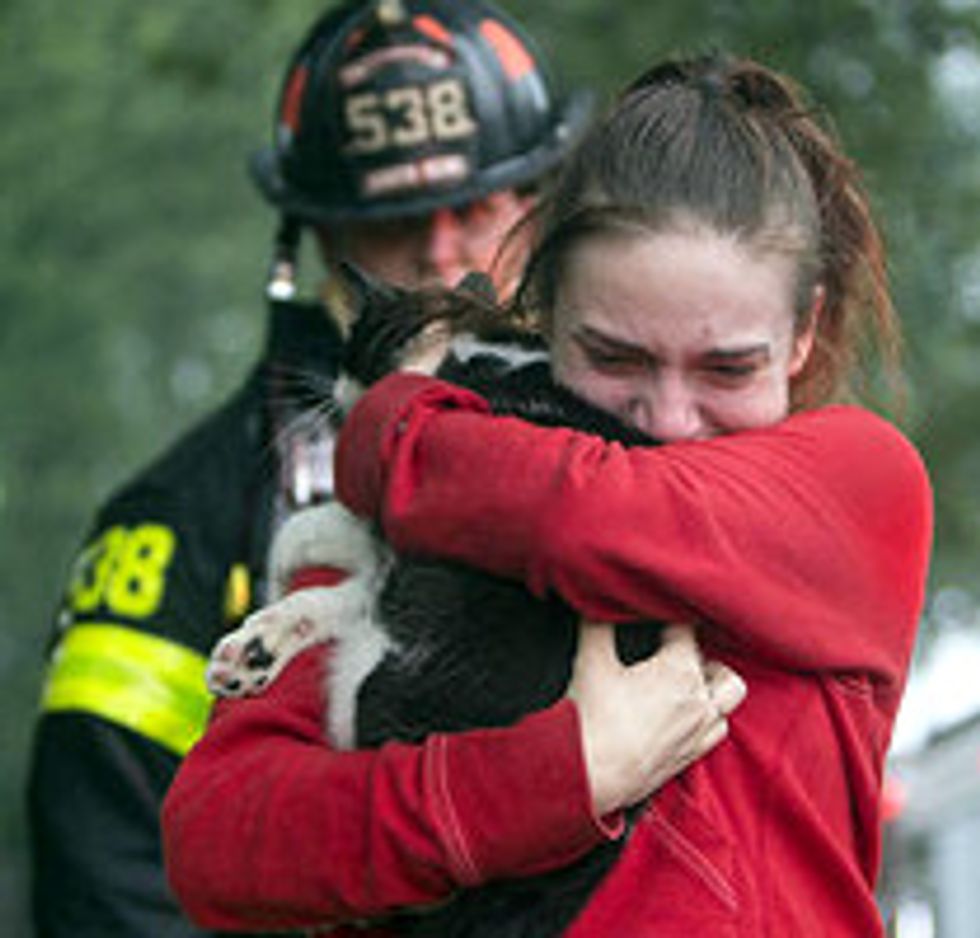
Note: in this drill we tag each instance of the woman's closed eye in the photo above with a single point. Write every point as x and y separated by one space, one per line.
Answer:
735 369
732 373
612 358
607 360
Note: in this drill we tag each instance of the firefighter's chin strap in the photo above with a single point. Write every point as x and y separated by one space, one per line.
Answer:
302 441
303 436
281 285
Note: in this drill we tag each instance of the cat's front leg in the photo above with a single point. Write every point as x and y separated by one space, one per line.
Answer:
325 535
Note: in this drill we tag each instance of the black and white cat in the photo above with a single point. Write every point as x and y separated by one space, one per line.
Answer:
424 646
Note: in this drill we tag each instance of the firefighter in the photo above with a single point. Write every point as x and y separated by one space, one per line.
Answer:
408 139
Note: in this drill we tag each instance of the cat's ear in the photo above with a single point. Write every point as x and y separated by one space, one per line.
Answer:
365 288
478 284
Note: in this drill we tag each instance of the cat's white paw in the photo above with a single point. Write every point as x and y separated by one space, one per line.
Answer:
247 660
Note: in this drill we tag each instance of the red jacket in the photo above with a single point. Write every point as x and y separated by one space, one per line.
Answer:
802 547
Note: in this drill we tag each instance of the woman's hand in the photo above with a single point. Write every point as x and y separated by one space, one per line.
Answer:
643 724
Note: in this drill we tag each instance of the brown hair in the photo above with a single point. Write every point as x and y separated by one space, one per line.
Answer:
730 145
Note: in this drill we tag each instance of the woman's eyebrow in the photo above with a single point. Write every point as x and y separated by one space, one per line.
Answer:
760 350
595 336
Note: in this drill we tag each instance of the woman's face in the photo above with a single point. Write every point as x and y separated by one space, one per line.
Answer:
685 335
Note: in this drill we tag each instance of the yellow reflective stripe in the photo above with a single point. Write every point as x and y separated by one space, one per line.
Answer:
145 683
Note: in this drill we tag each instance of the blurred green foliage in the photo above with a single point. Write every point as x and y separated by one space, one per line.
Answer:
134 247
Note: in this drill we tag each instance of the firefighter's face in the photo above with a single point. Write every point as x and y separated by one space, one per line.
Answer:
439 248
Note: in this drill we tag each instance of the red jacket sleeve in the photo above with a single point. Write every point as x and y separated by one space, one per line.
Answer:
806 542
266 827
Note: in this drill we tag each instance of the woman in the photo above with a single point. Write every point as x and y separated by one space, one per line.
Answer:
707 268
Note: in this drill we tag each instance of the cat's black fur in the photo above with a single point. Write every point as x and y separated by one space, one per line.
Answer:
472 649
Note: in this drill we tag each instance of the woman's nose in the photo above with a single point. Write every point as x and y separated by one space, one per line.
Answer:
666 410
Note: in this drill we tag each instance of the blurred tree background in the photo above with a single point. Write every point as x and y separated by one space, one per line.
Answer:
135 248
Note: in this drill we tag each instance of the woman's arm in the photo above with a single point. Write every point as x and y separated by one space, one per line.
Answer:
807 541
266 827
